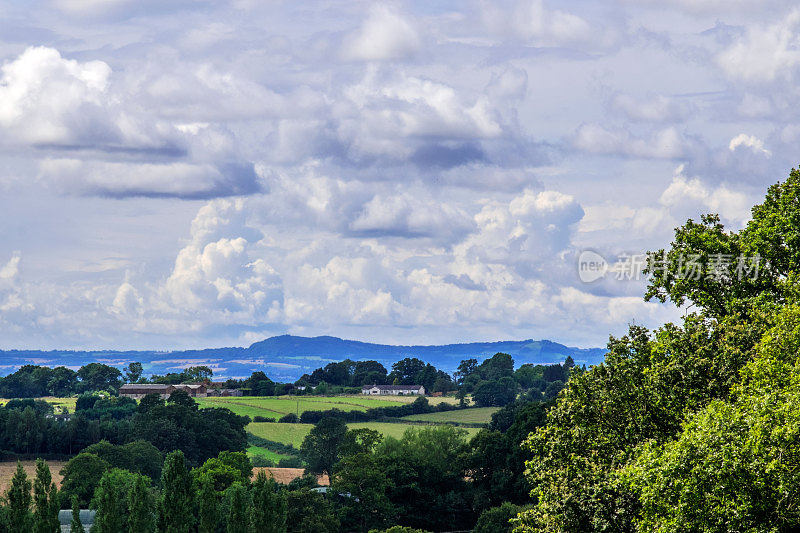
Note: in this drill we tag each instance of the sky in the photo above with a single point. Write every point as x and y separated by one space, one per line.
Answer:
199 174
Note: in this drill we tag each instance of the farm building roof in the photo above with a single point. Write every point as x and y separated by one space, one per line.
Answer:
143 386
393 387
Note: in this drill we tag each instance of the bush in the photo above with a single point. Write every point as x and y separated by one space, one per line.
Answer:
496 519
85 401
259 418
399 529
261 461
290 462
291 418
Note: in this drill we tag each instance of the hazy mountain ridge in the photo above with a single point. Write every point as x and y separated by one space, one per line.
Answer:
287 357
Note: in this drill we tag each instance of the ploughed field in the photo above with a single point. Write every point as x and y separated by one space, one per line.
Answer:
8 468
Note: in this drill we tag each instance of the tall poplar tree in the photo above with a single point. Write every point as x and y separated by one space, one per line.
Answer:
19 501
238 509
207 505
140 507
269 506
45 501
76 526
175 513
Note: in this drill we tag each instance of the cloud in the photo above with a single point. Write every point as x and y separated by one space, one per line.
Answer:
666 143
113 147
765 52
163 180
408 216
45 99
399 108
377 171
657 108
216 271
385 34
10 270
535 23
691 196
748 141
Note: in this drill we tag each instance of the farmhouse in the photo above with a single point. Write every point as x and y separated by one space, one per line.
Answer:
137 391
224 392
394 390
218 388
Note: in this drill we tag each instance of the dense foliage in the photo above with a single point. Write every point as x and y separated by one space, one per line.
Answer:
693 426
33 381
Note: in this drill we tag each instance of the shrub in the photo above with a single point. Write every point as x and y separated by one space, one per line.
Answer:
290 418
290 462
261 461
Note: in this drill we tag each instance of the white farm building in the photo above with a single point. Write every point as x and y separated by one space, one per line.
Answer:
395 390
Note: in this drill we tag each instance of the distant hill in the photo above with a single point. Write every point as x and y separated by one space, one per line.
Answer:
287 357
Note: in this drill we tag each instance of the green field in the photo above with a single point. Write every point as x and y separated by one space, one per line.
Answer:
475 415
69 403
295 433
264 452
276 406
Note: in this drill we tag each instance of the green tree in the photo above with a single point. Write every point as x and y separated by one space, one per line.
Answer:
208 506
495 393
310 512
320 448
498 519
141 518
111 501
367 506
269 506
225 470
81 475
734 467
45 500
76 526
133 372
19 501
238 504
98 377
175 513
63 381
426 468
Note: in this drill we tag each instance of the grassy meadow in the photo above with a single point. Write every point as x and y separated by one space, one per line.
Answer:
277 406
69 403
295 433
474 415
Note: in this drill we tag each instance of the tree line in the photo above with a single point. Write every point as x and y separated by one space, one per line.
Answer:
28 427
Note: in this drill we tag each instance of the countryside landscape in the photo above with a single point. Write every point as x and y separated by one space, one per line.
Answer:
399 266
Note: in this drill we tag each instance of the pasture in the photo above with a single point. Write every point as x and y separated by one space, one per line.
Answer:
264 452
295 433
69 403
474 415
277 406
